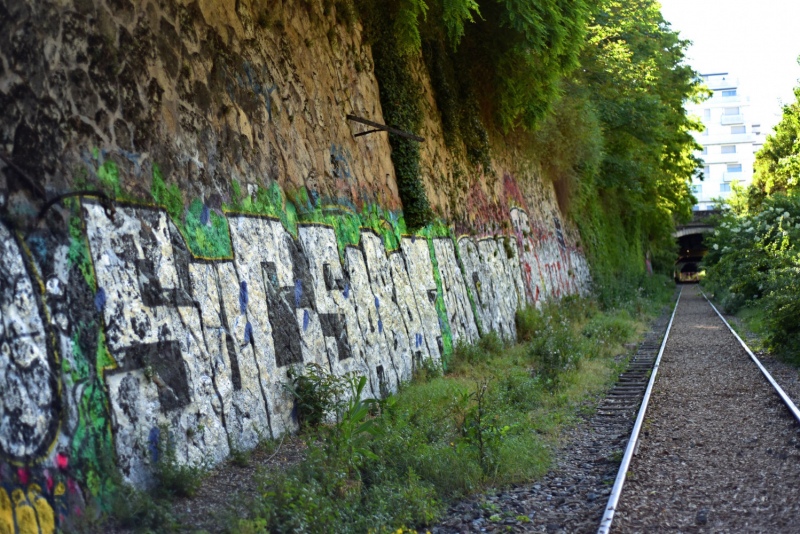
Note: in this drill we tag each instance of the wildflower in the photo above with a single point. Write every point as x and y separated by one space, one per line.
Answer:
716 247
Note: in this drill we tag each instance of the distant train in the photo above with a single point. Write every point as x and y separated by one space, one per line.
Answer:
687 269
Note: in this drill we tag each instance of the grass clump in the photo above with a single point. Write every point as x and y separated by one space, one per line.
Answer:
173 478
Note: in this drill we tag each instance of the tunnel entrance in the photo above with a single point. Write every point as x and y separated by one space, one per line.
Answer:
691 249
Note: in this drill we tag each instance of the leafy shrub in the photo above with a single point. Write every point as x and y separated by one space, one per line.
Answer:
754 261
139 511
173 478
316 392
347 439
528 321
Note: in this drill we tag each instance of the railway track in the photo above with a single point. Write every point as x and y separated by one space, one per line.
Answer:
632 395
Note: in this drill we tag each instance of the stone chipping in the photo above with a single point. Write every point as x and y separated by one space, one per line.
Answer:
719 450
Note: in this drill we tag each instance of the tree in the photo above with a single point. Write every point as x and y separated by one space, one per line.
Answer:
777 166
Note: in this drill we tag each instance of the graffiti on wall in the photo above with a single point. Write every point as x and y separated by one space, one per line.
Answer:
161 336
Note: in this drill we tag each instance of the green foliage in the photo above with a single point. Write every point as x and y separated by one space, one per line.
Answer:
617 145
347 439
480 429
169 197
238 457
210 240
777 166
458 104
173 478
317 394
396 463
138 511
754 261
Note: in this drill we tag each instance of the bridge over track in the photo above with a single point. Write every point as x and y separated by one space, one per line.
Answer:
692 249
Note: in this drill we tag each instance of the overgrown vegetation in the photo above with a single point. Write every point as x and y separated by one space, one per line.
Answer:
489 421
754 262
612 135
618 145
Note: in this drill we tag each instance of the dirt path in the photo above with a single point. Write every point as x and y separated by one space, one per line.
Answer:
719 451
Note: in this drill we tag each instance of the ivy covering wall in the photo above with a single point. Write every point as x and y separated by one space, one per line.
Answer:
612 136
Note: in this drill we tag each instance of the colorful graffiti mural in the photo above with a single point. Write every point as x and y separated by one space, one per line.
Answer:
127 327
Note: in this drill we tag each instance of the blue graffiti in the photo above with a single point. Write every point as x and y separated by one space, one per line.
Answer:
204 215
340 158
243 298
100 299
298 292
248 332
305 320
152 442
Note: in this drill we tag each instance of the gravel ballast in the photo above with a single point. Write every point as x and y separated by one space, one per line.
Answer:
719 451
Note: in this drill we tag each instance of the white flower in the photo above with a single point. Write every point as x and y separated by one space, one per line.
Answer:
785 213
735 230
716 247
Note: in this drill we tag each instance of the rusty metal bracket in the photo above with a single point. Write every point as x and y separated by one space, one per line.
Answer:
383 128
108 205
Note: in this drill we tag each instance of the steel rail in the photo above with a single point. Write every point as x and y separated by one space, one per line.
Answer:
778 389
616 491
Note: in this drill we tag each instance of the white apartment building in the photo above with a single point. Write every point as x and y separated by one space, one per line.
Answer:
730 140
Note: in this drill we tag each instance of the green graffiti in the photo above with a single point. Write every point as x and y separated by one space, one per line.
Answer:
205 238
209 240
78 253
169 197
444 322
108 173
91 446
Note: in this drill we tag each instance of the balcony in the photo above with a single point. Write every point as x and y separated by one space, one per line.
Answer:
725 100
733 119
732 176
710 159
725 139
730 83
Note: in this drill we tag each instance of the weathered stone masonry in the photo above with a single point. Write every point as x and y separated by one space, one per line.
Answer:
249 232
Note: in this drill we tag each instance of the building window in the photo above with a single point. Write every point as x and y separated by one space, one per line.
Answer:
731 111
707 171
707 114
705 132
704 150
697 189
729 92
738 129
729 149
734 167
724 188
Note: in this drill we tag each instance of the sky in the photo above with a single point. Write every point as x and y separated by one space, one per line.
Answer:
757 41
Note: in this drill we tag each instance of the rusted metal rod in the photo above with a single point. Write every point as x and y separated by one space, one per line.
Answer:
383 128
105 201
